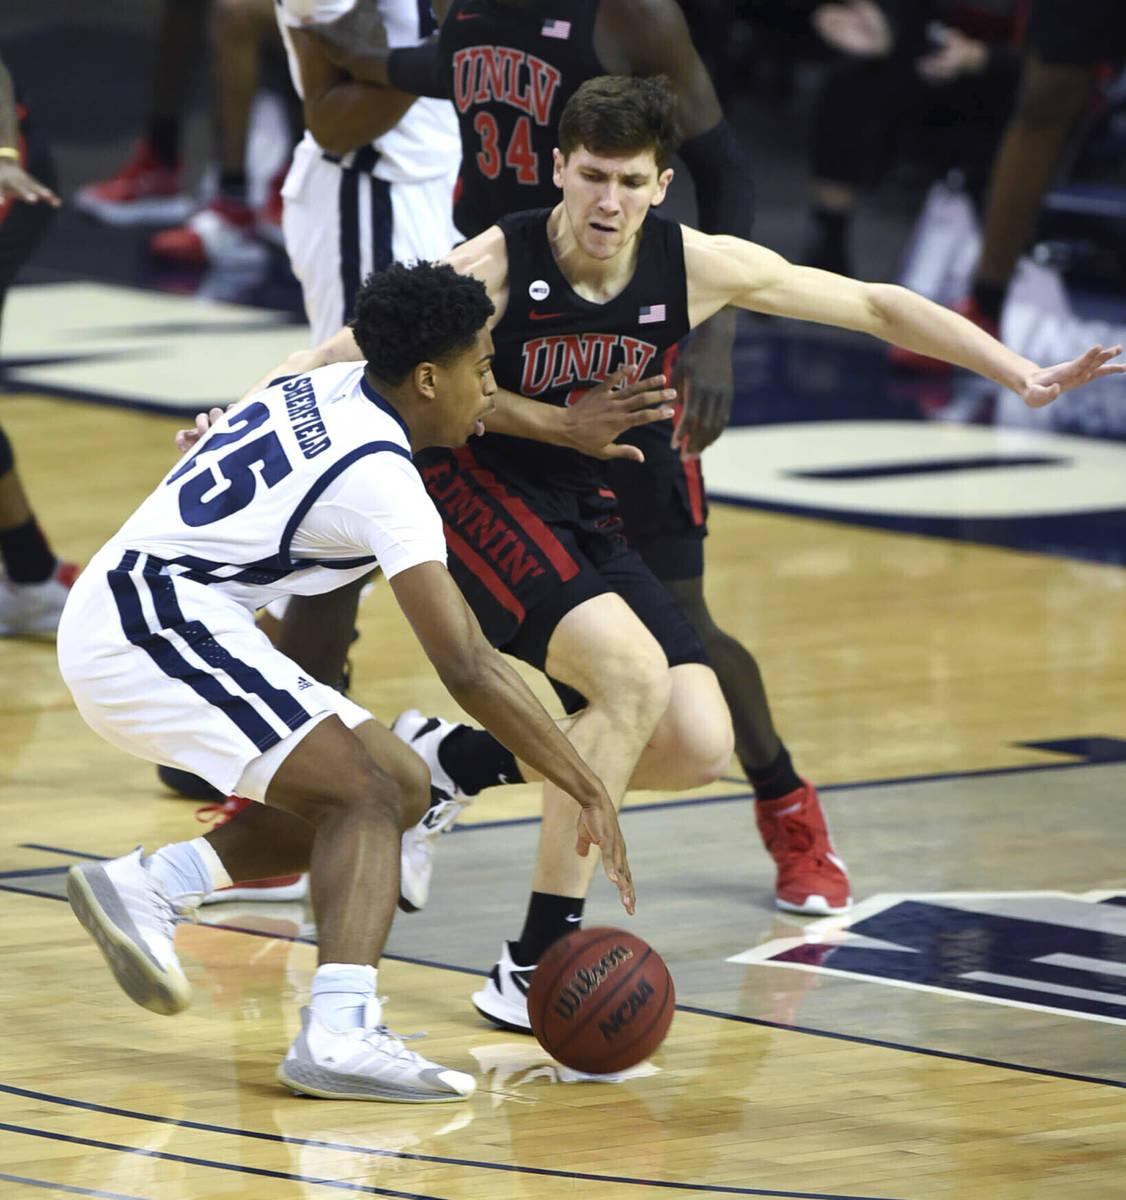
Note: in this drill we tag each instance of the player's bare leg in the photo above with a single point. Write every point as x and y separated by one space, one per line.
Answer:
602 650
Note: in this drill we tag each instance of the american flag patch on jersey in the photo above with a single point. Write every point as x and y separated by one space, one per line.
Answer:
556 29
650 314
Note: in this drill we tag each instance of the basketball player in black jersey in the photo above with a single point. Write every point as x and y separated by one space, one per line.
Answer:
33 583
510 66
509 528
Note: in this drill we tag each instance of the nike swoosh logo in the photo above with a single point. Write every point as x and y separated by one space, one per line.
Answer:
542 316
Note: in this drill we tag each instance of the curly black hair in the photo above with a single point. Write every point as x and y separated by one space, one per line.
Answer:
422 313
621 114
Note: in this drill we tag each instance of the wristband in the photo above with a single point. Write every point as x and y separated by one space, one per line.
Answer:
9 152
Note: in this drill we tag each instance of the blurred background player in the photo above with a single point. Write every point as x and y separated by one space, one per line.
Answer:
33 582
930 83
1066 46
228 227
372 179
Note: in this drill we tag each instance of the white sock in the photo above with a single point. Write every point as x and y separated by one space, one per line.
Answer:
188 870
344 996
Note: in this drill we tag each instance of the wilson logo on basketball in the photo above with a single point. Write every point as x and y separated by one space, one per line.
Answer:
612 1025
587 980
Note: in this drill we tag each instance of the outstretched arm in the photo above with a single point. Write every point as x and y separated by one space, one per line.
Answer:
724 270
480 680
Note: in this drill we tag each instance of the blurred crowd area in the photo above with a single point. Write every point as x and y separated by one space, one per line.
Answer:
851 114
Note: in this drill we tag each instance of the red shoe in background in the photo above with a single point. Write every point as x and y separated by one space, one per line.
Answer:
220 233
145 191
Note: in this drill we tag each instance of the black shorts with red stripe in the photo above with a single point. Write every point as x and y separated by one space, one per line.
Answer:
663 504
524 559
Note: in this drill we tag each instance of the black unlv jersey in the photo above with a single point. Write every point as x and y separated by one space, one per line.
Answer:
552 345
514 68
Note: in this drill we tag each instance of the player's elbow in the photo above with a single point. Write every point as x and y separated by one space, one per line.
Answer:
327 135
884 307
468 670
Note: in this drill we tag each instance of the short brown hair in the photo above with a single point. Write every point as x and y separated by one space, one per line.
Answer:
618 114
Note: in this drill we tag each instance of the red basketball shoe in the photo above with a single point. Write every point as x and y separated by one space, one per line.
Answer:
912 360
811 878
145 191
220 233
282 887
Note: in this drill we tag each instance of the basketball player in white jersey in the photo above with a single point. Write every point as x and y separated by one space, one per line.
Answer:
372 179
307 485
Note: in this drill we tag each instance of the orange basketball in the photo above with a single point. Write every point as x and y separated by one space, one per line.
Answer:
601 1000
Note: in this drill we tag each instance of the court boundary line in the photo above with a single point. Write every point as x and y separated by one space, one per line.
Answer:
190 1160
370 1151
69 1187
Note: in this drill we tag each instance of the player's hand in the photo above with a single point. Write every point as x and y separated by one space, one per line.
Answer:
1043 386
705 384
187 438
958 55
16 183
857 27
598 826
604 412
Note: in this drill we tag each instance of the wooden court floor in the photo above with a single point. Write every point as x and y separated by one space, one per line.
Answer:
917 681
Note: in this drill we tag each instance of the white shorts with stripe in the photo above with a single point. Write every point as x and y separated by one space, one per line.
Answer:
340 224
176 673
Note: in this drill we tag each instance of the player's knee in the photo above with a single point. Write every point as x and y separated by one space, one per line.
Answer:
713 744
412 776
634 685
696 739
361 788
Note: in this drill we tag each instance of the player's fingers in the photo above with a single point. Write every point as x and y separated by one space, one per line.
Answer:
646 416
585 837
623 450
619 875
626 390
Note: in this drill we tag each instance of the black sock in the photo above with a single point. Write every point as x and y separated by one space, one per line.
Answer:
990 298
26 555
549 918
164 138
232 185
776 779
474 759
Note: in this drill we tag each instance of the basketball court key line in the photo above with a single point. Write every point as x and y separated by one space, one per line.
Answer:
695 1009
883 1045
69 1188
